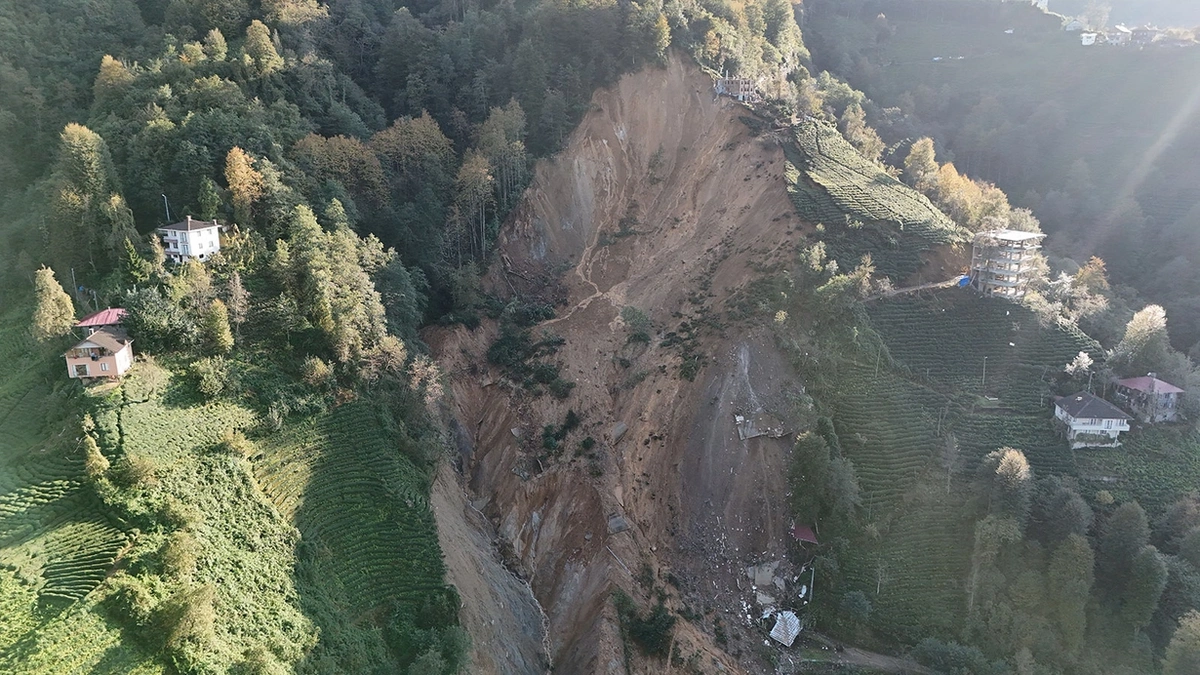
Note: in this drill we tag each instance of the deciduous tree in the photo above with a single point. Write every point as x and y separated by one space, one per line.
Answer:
245 184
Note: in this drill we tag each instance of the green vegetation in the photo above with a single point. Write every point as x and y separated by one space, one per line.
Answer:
863 208
995 104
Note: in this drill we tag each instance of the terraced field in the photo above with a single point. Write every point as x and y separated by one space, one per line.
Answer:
917 565
942 341
360 507
894 414
56 543
864 209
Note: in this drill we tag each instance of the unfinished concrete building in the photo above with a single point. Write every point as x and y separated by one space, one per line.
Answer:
741 88
1002 262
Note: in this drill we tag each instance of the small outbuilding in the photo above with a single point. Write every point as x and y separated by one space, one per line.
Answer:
109 316
1149 398
1089 421
106 352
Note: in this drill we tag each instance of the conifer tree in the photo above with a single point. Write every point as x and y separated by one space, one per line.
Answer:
260 49
55 315
214 328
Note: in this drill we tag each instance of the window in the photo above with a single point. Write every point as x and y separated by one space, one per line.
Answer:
81 370
1108 424
104 366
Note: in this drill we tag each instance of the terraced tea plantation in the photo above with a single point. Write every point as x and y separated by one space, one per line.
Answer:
312 545
894 412
56 542
864 209
369 538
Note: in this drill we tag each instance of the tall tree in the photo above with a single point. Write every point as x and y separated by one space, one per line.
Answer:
245 184
237 300
1008 482
1125 533
1070 584
1147 579
473 196
89 214
260 49
214 328
54 315
1145 346
1183 653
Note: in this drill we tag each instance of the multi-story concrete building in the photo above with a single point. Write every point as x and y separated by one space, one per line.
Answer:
1002 262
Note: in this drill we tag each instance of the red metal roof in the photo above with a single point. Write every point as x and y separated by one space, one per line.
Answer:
105 317
1148 384
804 533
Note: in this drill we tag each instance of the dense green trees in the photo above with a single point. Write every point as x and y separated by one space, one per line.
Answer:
54 314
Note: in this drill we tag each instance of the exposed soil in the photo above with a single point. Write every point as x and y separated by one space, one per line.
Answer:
662 200
499 611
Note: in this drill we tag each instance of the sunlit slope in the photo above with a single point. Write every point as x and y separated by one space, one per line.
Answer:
863 208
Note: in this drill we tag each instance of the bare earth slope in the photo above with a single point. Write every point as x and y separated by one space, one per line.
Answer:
661 201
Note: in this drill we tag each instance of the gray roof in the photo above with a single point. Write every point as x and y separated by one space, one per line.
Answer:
189 224
1086 406
110 337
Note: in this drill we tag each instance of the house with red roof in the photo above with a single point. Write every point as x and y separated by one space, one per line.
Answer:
109 316
1149 398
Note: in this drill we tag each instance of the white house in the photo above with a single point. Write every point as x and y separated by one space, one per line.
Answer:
1090 421
1087 39
198 239
1120 35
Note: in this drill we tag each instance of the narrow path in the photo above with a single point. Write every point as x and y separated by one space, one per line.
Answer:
949 283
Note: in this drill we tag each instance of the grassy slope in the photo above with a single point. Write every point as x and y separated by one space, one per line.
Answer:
863 209
338 478
55 539
894 417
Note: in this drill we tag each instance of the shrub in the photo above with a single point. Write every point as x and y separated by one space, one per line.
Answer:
954 659
211 375
235 442
260 661
131 600
136 471
316 373
638 323
95 462
174 513
185 624
179 554
652 632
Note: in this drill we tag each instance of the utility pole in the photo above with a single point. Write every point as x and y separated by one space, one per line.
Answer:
983 381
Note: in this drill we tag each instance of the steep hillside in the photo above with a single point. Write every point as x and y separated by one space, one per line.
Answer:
639 233
662 201
1098 142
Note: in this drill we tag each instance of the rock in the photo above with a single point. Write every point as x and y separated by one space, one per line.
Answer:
617 524
618 431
